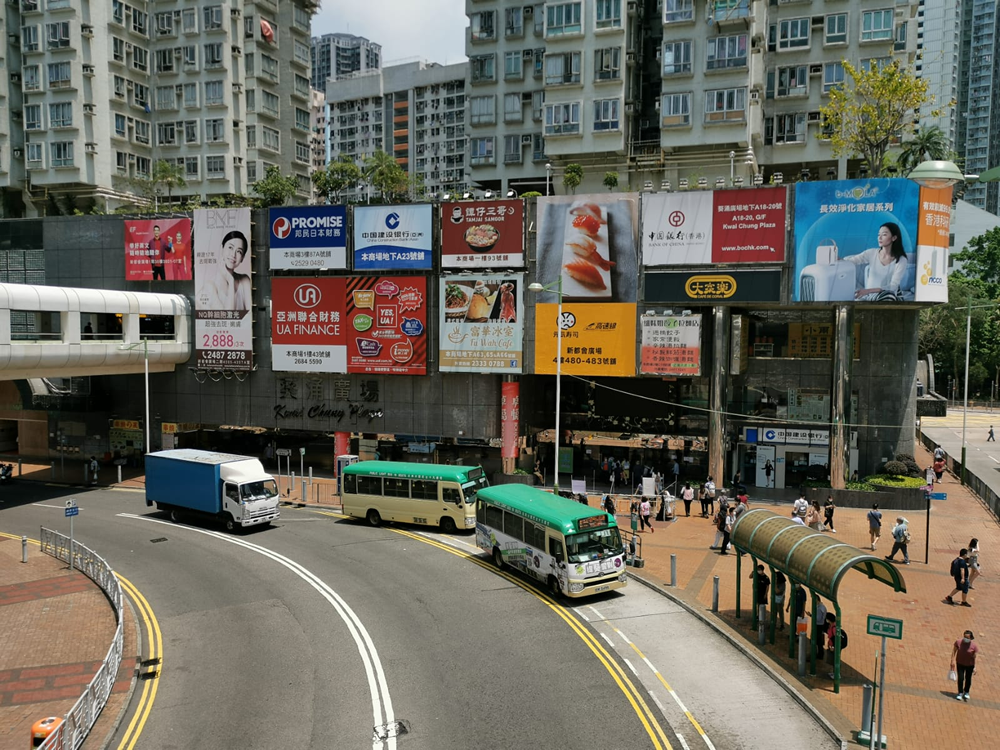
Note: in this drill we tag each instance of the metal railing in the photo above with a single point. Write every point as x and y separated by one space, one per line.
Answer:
80 719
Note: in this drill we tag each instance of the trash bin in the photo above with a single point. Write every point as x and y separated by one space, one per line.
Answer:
635 521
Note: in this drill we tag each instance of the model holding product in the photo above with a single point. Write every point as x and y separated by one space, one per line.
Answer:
885 266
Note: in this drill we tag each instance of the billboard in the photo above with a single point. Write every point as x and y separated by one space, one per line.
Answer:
933 241
482 324
597 339
510 418
482 234
587 243
386 322
855 240
390 238
713 286
671 345
677 228
307 333
308 238
158 250
223 292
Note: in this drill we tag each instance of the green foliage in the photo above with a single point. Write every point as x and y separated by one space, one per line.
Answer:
611 180
338 176
275 189
894 468
531 194
926 143
384 175
572 177
883 481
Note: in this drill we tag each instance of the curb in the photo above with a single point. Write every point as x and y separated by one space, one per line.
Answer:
749 652
117 721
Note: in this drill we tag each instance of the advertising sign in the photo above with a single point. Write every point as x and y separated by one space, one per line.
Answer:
597 339
510 418
386 319
308 238
482 234
932 245
677 228
748 225
855 240
671 345
724 286
392 237
224 295
307 334
587 244
482 324
158 250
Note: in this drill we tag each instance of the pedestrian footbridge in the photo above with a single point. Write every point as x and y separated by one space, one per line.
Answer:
61 332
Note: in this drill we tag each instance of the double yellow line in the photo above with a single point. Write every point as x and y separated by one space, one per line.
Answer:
151 678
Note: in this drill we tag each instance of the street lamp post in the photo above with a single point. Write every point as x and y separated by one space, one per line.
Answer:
145 358
537 289
548 178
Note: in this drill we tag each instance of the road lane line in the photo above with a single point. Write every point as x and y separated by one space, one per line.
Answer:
577 610
610 642
152 684
594 610
629 665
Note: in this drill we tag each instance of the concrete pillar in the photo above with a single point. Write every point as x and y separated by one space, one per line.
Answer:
718 375
840 433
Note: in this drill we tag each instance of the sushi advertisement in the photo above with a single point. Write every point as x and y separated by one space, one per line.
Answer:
482 323
482 234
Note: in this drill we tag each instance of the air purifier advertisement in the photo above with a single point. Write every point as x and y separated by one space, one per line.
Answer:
856 240
933 240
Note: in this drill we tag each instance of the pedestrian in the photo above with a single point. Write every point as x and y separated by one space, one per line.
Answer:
94 468
727 529
938 468
688 496
801 506
761 584
960 572
939 453
676 471
710 495
819 629
743 498
626 471
874 524
830 624
900 540
609 504
539 478
813 516
854 476
720 527
797 519
990 437
828 509
963 659
644 511
737 481
768 470
974 570
798 598
780 583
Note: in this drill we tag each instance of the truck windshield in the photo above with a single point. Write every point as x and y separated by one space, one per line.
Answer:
593 545
265 489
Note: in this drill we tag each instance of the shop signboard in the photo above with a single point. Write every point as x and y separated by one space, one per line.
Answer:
482 323
386 323
671 345
856 240
223 292
482 234
307 332
677 228
717 286
510 417
933 241
308 238
392 238
158 250
596 339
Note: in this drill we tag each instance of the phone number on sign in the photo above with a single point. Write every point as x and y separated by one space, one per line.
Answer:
226 356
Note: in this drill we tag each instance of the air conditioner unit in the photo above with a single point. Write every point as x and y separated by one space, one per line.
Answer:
816 70
178 51
237 160
632 7
526 140
237 50
755 96
814 117
835 280
88 69
89 109
527 54
656 105
818 21
15 77
91 148
237 87
629 109
630 58
129 85
128 46
529 10
234 12
526 97
86 30
131 158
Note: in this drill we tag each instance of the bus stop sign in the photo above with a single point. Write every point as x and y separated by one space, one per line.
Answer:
885 627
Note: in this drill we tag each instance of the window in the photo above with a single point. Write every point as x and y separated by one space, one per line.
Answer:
190 94
61 115
121 162
835 30
166 134
482 110
564 18
215 131
608 64
164 61
833 75
481 26
876 25
213 18
513 69
269 67
875 63
213 55
29 76
537 105
118 12
214 93
215 167
482 68
140 22
301 85
190 131
423 489
512 111
119 87
606 115
727 52
57 35
59 75
166 97
251 100
676 11
793 33
34 153
675 110
191 164
33 117
481 151
303 119
270 139
790 128
562 68
269 103
142 165
189 20
793 81
562 119
140 58
141 131
249 27
302 153
514 22
609 14
29 38
165 24
189 53
140 95
676 58
62 154
513 526
301 18
512 149
118 49
302 53
725 105
251 136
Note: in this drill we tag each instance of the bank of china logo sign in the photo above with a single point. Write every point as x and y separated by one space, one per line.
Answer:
307 296
281 228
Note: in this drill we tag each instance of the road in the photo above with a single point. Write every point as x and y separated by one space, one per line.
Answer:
322 631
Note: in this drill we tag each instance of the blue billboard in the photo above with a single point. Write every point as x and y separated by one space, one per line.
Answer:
856 240
392 238
308 238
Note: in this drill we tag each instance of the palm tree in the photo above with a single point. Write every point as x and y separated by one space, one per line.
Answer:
926 143
382 172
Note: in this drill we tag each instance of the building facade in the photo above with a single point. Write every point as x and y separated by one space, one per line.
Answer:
317 139
938 62
979 86
338 55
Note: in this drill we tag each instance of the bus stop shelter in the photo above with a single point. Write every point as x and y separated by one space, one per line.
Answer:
808 558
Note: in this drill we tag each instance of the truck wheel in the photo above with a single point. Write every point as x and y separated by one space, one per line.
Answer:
230 524
497 558
175 516
374 518
554 591
448 525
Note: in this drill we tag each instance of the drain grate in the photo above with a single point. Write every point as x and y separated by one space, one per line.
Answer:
158 540
393 729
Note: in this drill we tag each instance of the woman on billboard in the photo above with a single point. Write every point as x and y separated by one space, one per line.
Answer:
885 267
226 289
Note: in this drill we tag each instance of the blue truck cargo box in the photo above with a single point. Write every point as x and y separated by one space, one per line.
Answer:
187 478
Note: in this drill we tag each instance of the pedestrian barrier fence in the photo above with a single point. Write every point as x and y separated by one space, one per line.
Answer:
77 724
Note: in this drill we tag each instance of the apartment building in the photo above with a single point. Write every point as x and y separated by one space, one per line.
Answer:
416 112
978 88
317 138
106 90
939 26
338 55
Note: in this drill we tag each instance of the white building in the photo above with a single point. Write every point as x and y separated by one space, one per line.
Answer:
317 137
337 55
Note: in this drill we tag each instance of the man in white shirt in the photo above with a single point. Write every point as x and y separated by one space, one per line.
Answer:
801 506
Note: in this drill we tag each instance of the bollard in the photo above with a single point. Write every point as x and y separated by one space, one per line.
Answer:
302 495
291 485
866 709
119 473
24 549
761 624
19 462
54 470
673 571
86 472
715 593
803 651
310 476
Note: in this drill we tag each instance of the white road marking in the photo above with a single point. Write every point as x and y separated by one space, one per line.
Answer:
377 684
684 744
44 505
577 610
629 664
623 636
610 642
599 615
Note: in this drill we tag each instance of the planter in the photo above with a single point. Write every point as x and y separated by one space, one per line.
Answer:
501 478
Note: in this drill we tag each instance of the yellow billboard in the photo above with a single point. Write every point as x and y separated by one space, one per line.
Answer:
597 339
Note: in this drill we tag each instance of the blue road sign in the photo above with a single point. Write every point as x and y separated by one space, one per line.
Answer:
939 496
74 511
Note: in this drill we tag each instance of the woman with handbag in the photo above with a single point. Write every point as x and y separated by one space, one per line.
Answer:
963 657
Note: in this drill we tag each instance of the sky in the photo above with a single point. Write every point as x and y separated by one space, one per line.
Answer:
430 29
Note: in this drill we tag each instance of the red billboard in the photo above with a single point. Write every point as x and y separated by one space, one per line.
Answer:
510 418
482 234
158 250
748 225
307 331
386 323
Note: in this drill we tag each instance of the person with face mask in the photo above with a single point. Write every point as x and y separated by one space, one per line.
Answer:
963 657
226 289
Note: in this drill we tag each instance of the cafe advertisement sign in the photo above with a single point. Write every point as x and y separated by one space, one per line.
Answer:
482 323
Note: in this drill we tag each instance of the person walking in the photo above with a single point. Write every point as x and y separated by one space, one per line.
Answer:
761 583
710 495
900 540
828 509
720 527
727 529
991 437
687 495
780 584
609 505
874 524
974 569
94 468
801 506
939 453
938 468
963 660
644 511
960 572
813 516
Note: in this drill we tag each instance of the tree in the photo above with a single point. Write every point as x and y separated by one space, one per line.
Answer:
979 263
168 174
275 189
926 143
336 177
383 173
572 177
878 108
611 180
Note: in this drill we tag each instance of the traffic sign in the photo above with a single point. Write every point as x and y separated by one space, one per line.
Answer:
72 510
283 452
885 627
939 496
